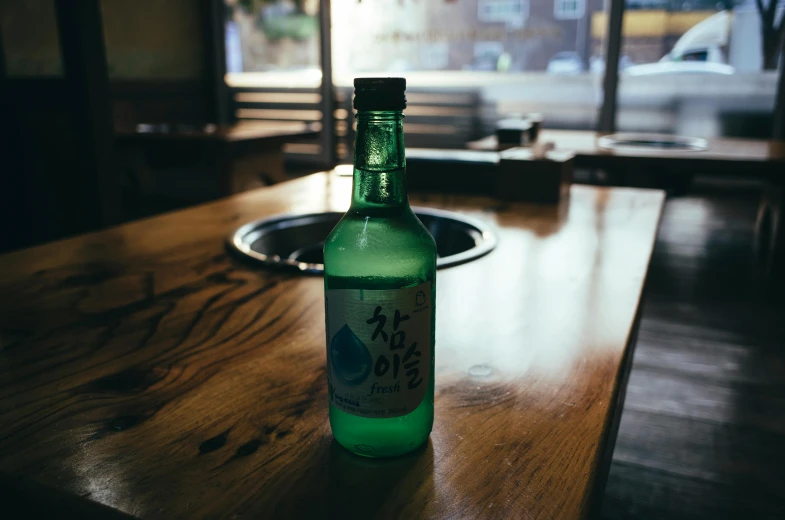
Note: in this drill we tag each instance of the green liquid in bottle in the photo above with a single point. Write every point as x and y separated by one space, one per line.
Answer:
380 273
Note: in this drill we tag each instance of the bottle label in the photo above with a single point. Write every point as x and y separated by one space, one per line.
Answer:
378 349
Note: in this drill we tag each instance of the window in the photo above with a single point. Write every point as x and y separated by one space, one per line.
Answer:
569 9
274 68
696 68
468 63
273 35
508 11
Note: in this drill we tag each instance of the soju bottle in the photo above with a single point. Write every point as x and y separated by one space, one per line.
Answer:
379 282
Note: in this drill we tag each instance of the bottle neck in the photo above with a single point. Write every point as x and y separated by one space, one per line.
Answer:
379 160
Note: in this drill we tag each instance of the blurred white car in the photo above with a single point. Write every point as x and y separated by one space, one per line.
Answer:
679 67
565 62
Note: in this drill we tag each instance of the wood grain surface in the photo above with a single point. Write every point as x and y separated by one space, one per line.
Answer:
144 369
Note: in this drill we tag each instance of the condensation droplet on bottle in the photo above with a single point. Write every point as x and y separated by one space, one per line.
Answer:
482 370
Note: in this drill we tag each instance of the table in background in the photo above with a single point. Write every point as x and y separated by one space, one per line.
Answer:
755 159
761 158
204 162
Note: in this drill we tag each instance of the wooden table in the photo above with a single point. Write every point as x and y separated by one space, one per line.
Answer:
145 370
759 158
752 158
209 161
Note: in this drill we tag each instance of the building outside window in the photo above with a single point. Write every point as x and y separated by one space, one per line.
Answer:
569 9
502 10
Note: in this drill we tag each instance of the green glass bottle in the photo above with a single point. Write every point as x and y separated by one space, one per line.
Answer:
379 281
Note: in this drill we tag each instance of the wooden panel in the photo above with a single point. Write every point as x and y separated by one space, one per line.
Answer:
30 38
155 39
701 435
286 105
39 196
146 370
716 361
157 101
701 449
59 175
678 396
641 493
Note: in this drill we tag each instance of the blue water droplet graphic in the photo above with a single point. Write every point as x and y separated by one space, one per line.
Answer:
349 356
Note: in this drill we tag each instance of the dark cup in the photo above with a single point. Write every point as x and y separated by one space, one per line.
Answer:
536 120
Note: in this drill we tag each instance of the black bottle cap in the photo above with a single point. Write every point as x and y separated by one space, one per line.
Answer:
379 93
